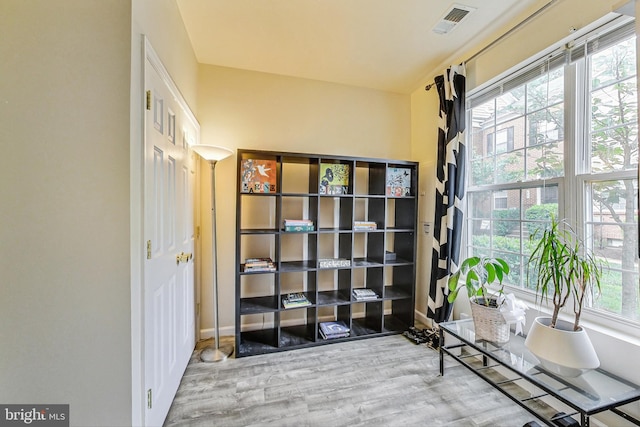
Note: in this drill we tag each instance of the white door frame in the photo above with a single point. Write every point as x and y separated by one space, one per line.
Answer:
137 247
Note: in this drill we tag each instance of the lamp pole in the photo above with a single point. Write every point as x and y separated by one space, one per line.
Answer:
215 352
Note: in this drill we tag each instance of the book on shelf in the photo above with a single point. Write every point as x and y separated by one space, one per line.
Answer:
271 268
334 178
296 296
298 225
364 225
295 300
334 336
258 176
334 262
259 264
364 294
398 182
294 228
334 329
288 304
288 221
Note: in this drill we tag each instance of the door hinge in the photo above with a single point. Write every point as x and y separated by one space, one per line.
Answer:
198 309
149 399
148 249
148 100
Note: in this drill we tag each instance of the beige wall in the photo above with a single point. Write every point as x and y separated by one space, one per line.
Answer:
424 136
161 23
246 109
540 33
64 252
70 128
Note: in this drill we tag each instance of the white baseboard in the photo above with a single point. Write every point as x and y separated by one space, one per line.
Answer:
422 318
210 332
230 330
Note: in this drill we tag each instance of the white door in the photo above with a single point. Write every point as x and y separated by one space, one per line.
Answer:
169 298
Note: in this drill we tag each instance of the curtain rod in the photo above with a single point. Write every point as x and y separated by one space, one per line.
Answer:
508 33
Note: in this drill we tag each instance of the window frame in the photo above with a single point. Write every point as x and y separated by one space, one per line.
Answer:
570 190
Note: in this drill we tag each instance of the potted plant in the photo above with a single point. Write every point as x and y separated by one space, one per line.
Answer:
479 273
563 267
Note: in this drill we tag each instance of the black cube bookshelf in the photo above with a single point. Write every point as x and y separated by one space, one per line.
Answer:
316 227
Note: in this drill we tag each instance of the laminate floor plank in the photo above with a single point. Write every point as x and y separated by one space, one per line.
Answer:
386 381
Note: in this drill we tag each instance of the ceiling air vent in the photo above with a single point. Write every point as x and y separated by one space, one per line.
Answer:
452 17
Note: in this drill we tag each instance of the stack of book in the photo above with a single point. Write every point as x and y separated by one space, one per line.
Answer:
334 263
364 294
364 225
298 225
252 265
331 330
295 300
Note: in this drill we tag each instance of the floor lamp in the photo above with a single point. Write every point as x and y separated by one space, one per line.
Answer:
215 352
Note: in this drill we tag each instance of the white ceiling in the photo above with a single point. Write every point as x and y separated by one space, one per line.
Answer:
381 44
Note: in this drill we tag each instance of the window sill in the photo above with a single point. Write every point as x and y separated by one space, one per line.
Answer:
600 322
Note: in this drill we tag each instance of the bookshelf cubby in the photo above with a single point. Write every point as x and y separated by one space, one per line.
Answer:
327 261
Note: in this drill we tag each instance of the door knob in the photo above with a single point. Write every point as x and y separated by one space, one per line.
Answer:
183 257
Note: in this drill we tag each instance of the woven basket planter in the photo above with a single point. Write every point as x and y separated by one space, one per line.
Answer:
489 323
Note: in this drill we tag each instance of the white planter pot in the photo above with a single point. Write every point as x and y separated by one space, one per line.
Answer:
561 350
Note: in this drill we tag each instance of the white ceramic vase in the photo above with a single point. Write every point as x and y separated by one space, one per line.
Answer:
561 350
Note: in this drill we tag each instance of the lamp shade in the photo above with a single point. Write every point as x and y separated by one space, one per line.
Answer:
211 152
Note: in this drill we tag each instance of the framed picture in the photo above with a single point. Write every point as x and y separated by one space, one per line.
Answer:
398 182
334 178
258 176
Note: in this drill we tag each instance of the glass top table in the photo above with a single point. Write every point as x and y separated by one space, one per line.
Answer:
590 393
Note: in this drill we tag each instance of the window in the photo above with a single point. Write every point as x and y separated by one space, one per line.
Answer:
500 141
500 200
560 137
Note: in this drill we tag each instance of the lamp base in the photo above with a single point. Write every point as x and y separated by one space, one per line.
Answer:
213 354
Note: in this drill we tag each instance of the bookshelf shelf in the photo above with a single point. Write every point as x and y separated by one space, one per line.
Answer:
258 304
354 231
333 298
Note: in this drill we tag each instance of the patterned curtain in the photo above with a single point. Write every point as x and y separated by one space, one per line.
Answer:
450 174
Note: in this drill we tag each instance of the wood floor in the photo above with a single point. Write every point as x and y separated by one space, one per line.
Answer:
385 381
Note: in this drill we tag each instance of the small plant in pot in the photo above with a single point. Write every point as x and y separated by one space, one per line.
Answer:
562 267
478 274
